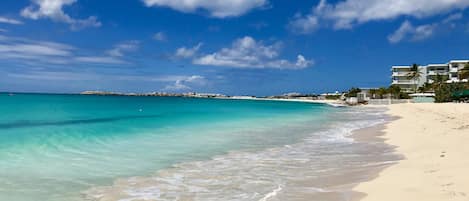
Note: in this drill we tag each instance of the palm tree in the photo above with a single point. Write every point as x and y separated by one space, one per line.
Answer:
464 73
414 75
381 92
440 79
426 88
395 91
421 89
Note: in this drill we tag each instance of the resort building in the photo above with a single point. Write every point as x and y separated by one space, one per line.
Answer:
435 70
454 67
428 74
400 77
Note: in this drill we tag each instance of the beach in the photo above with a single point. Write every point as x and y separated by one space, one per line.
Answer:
433 141
223 149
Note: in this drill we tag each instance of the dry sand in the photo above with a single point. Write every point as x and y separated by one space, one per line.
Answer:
434 141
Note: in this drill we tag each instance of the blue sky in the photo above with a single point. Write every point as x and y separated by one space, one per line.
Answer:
236 47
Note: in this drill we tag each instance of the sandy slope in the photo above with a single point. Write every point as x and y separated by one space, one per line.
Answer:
434 139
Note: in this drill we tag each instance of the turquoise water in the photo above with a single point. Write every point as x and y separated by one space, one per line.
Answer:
56 147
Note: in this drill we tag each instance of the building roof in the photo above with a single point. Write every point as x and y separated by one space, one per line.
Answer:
437 65
459 61
401 66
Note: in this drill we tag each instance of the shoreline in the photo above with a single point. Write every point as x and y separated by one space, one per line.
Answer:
332 184
372 134
333 103
433 141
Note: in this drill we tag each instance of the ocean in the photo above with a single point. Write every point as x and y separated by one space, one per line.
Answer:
119 148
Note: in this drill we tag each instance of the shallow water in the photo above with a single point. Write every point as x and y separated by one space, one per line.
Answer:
70 147
324 166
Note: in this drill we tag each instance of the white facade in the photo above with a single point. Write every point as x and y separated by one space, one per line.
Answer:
435 70
454 67
400 77
429 73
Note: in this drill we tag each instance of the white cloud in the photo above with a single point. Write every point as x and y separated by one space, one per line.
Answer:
216 8
10 21
3 30
348 13
184 52
91 21
453 17
249 53
302 62
36 49
121 48
182 83
99 60
304 24
409 32
26 51
22 49
160 36
53 9
52 76
178 82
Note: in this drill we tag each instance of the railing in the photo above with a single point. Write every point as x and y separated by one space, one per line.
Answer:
438 73
400 74
404 82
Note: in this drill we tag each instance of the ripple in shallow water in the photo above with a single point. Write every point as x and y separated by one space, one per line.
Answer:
322 167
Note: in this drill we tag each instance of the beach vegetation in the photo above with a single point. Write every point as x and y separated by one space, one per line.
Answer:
414 75
404 95
445 91
333 97
395 91
382 92
439 80
353 92
427 87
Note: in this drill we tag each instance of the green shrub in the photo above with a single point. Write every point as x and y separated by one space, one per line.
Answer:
353 92
444 92
332 97
403 95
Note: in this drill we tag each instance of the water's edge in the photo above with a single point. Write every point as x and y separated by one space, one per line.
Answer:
374 134
197 180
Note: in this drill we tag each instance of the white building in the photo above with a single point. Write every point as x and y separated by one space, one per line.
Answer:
454 67
400 77
434 70
428 74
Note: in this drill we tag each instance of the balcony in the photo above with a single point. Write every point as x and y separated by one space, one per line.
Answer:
454 70
437 73
404 82
400 74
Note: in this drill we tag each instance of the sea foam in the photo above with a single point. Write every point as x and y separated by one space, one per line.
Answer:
324 165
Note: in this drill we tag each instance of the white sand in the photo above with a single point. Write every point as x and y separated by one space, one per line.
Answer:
434 139
329 102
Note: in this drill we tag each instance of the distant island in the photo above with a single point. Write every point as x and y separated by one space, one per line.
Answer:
207 95
160 94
